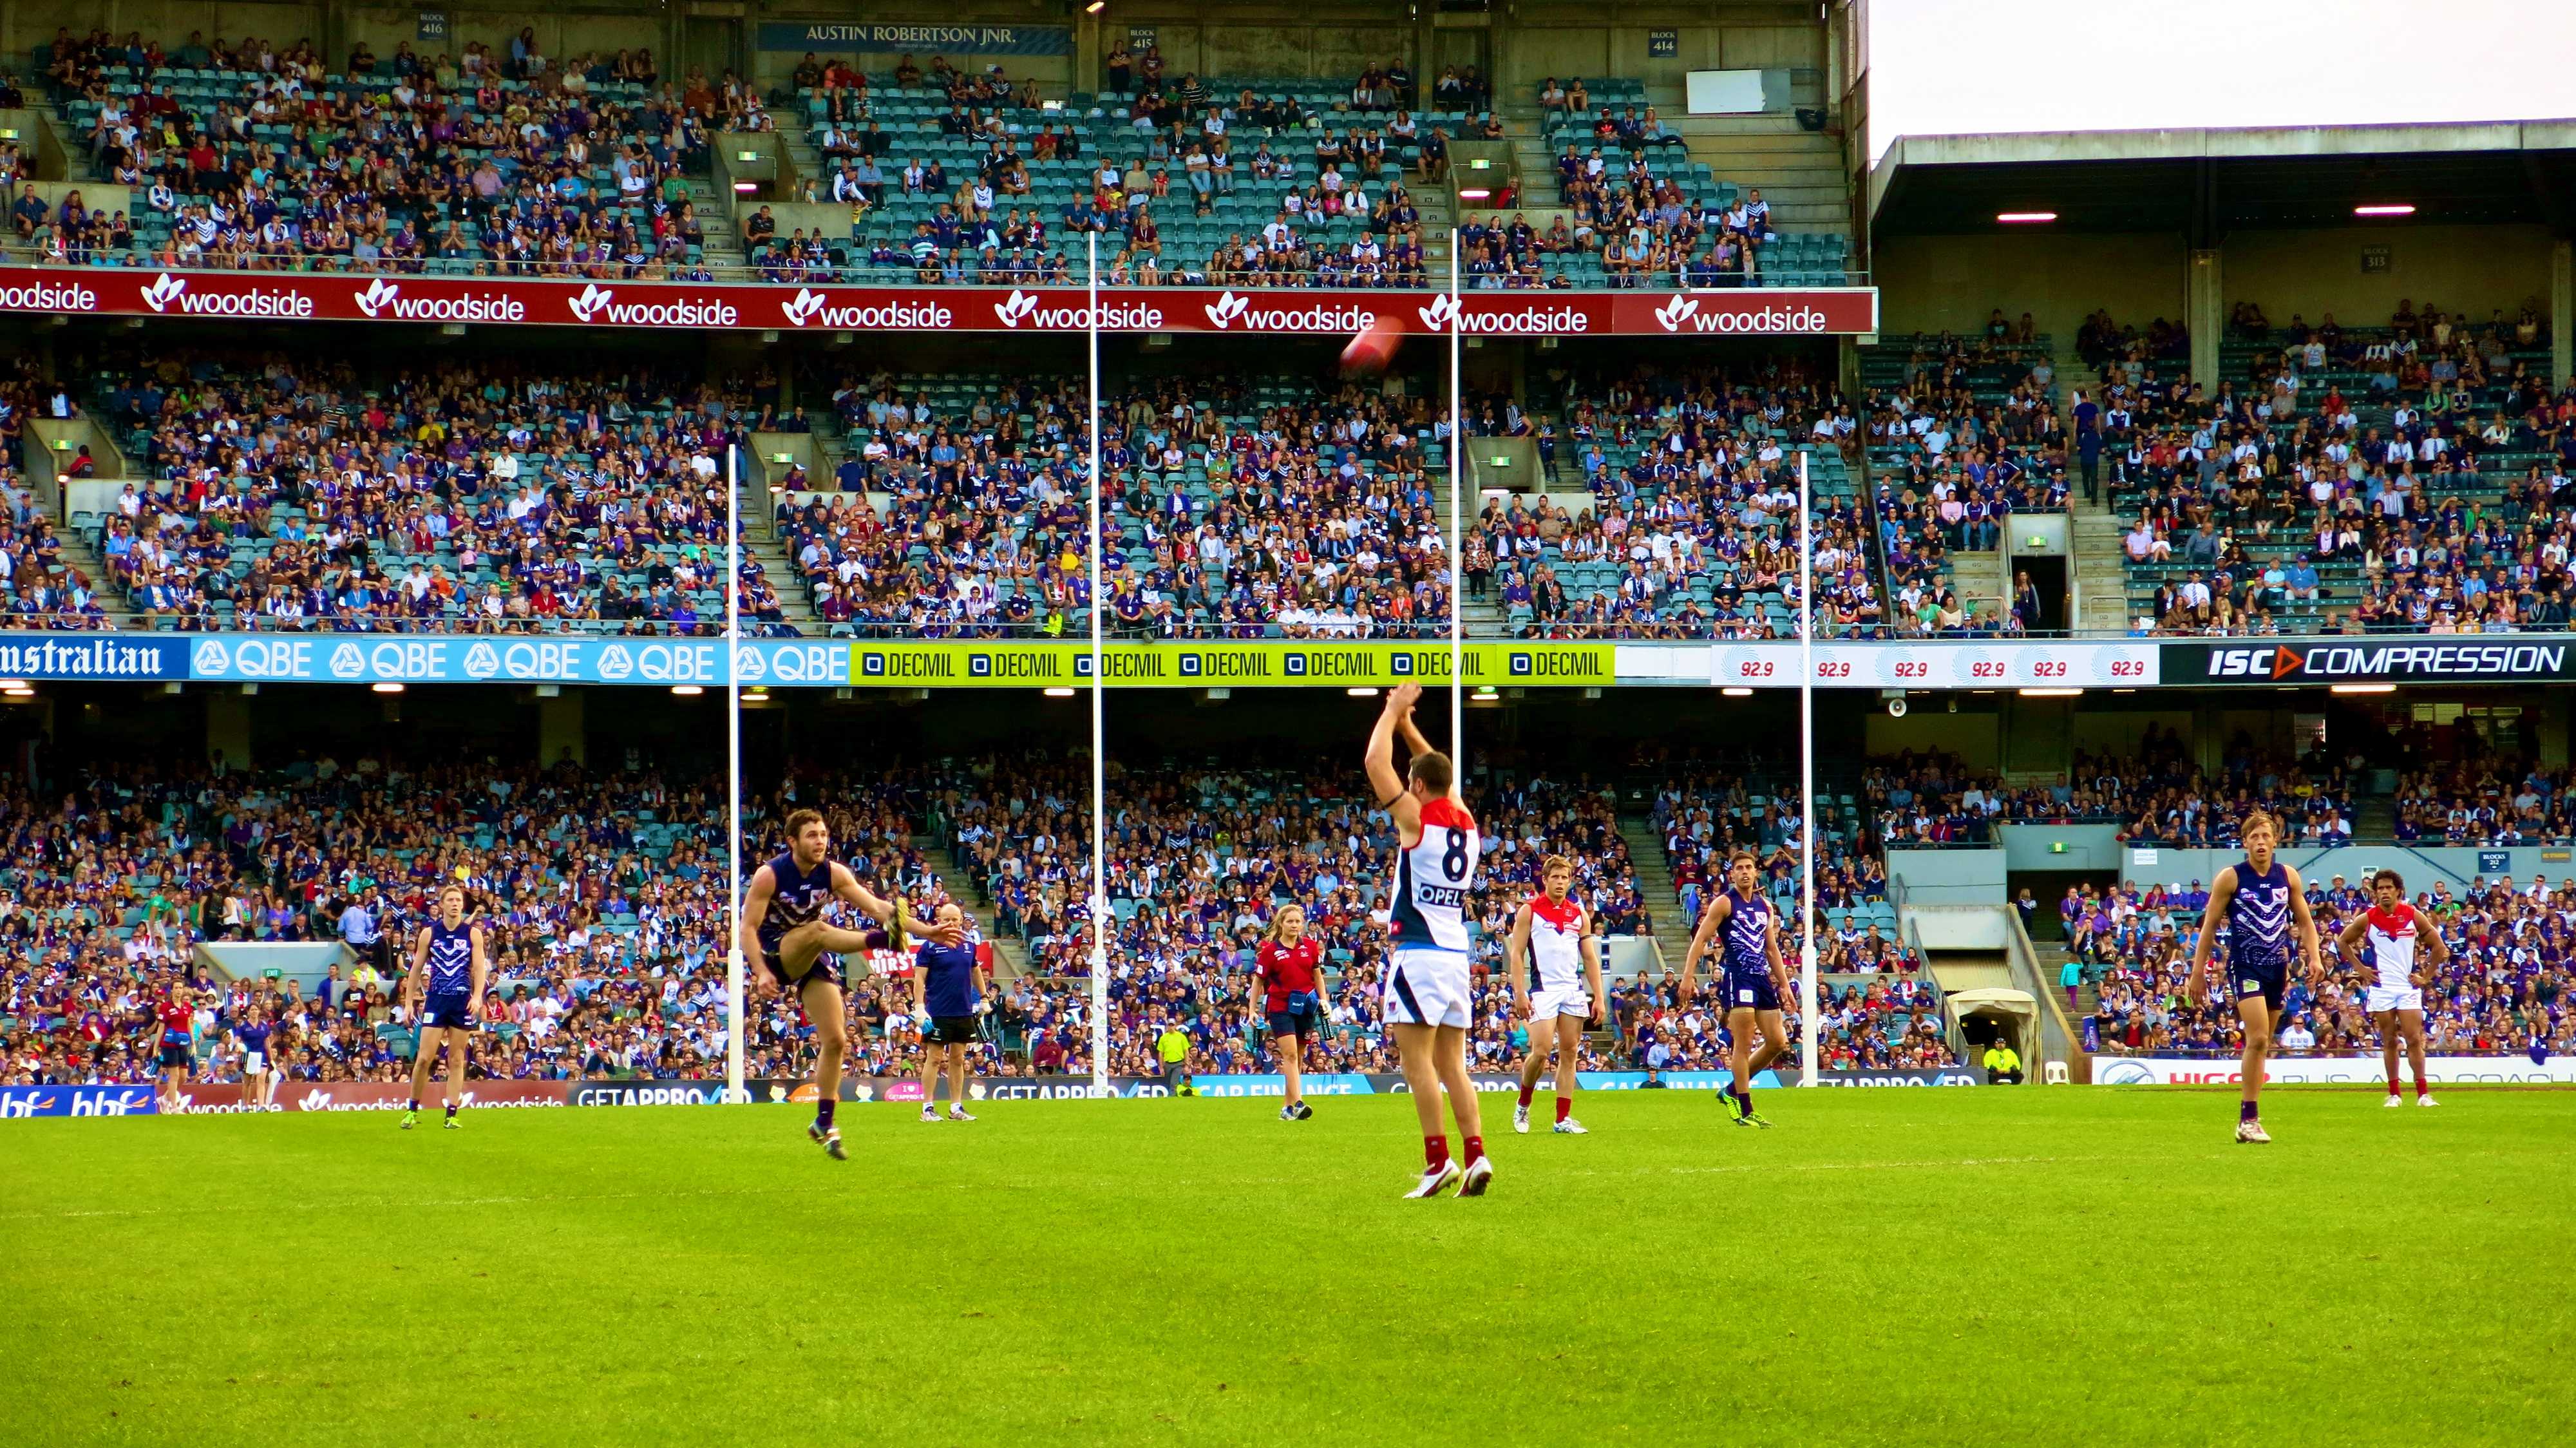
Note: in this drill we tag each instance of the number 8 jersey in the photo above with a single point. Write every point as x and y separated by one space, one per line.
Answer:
1432 878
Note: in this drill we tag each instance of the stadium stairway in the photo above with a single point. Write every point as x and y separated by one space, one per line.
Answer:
1799 172
761 540
1979 579
1010 954
1655 883
2100 575
2052 955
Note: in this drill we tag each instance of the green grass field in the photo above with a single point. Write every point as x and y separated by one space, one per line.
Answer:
1932 1266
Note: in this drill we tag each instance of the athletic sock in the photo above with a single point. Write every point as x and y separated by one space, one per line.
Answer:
1564 1107
1475 1148
451 1111
414 1106
1527 1091
1435 1150
2419 1088
1744 1100
2246 1111
823 1113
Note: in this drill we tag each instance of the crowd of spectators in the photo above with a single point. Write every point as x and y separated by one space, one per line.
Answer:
2402 478
983 524
243 155
601 896
2504 987
1969 436
1247 511
2157 793
288 492
1691 529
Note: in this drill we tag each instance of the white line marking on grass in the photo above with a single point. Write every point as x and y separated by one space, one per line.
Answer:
1836 1166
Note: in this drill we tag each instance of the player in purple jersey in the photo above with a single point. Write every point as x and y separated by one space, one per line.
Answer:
787 943
2264 906
449 968
1751 977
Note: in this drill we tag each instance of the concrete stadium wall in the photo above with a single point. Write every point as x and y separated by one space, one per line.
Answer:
1571 39
1950 283
2422 866
2460 269
1949 877
2088 847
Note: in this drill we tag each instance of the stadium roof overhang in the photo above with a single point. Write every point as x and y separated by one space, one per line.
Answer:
2204 184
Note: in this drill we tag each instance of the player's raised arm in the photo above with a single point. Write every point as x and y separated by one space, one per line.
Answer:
1515 952
2222 888
2306 921
755 909
1709 920
1386 782
1417 745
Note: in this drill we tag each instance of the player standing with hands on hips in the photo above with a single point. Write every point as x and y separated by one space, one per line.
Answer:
2262 902
1426 994
1553 933
2402 943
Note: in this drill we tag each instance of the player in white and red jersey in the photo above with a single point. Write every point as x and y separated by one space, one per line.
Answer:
2404 946
1426 976
1555 958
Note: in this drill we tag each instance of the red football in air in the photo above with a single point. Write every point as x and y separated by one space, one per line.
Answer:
1371 351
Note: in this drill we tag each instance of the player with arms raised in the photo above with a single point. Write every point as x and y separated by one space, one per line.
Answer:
1750 976
1553 933
2403 943
790 946
1427 975
448 970
2264 906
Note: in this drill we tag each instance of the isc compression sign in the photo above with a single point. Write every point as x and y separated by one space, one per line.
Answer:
2476 659
1372 663
2331 1071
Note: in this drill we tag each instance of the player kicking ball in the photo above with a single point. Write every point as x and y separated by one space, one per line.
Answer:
1426 995
449 967
2403 944
2264 907
1553 933
945 993
790 946
1750 976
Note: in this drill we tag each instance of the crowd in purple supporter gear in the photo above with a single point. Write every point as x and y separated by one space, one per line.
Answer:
245 156
982 529
600 894
289 493
2157 793
1692 528
2504 987
2399 478
1250 509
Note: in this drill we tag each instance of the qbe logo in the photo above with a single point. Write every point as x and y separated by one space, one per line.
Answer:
872 665
1522 666
979 666
1192 666
1399 663
1296 666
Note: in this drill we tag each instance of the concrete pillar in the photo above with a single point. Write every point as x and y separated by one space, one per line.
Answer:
2205 308
559 730
2562 312
228 728
1087 51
